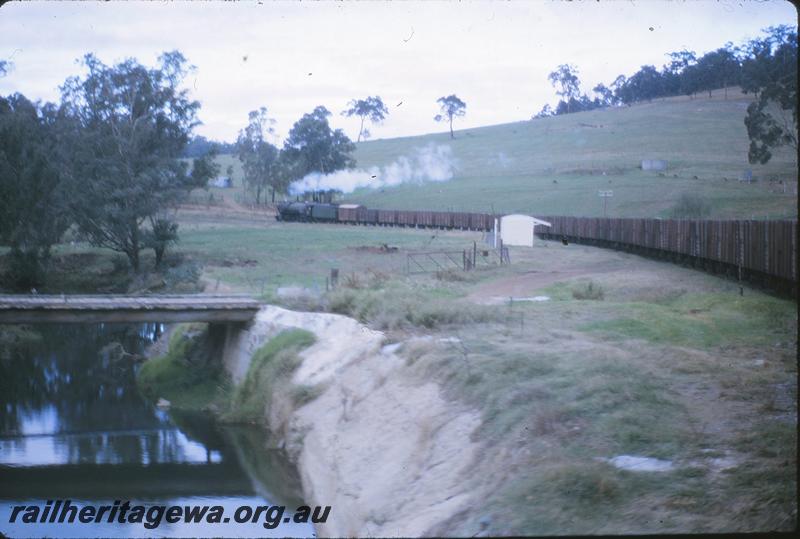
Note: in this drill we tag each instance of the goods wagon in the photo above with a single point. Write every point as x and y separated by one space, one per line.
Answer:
387 217
481 221
351 213
370 217
442 219
425 218
461 220
406 218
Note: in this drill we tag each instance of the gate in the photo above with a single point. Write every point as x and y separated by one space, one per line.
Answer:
434 261
465 260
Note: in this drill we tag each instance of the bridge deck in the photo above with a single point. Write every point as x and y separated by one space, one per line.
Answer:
31 309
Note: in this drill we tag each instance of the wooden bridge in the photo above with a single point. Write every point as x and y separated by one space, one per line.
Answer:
45 309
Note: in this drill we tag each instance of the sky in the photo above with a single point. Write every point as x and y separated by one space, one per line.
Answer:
293 56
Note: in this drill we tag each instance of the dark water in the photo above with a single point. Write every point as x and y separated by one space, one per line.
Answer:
73 426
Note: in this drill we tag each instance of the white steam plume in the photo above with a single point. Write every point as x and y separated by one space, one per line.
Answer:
431 163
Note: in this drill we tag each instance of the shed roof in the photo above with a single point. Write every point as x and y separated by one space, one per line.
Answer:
533 220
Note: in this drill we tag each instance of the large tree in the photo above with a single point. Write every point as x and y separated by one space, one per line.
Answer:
259 158
312 146
451 107
565 80
646 83
606 96
372 107
675 72
33 189
771 74
131 125
717 69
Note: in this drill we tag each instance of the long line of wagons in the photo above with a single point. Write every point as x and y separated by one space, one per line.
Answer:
766 247
356 214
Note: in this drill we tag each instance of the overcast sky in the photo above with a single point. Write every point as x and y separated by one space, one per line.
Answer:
291 57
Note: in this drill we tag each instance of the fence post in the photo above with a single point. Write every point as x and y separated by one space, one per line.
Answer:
334 277
474 253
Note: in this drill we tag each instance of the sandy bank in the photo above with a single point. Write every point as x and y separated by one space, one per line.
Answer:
381 447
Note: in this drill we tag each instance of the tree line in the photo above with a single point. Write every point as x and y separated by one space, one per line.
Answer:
109 159
105 161
765 67
312 146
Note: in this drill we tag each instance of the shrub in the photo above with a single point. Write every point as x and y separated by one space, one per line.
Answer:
26 269
589 290
451 275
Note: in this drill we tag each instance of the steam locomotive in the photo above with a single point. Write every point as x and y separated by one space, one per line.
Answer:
307 211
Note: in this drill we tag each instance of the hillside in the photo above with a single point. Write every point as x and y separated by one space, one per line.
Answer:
556 165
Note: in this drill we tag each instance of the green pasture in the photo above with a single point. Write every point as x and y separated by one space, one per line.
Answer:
261 258
556 165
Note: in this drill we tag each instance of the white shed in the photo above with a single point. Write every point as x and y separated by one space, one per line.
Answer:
517 229
221 181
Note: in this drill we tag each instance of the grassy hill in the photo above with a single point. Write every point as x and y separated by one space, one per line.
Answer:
556 165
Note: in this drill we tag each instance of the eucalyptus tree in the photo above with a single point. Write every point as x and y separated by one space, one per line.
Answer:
33 187
312 146
451 107
371 108
131 125
771 74
258 156
565 77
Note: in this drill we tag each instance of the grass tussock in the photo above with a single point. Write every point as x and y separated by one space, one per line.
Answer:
270 368
590 290
403 304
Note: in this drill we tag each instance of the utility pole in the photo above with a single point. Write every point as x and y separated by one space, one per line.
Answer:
605 195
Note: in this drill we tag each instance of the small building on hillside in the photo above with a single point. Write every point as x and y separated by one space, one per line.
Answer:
654 164
516 229
221 181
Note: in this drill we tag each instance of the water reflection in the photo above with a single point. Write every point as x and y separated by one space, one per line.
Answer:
73 425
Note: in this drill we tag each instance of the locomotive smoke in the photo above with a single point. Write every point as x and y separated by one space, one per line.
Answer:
429 164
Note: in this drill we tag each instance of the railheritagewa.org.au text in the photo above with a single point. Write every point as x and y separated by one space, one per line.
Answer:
151 516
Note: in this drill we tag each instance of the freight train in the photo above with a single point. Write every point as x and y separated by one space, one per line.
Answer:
356 214
757 251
